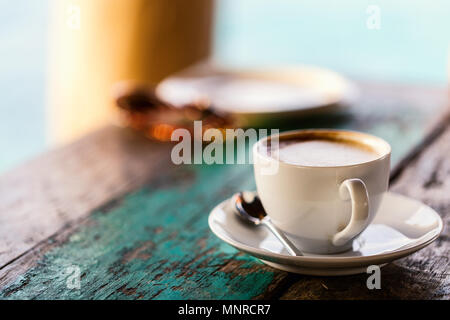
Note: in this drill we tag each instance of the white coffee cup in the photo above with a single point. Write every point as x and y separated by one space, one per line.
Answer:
322 209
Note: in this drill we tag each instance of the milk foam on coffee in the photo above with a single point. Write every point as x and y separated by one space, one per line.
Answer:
324 153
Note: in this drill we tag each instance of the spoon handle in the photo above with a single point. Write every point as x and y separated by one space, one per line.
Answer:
282 237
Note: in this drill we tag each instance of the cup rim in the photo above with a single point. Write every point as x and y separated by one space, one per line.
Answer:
368 139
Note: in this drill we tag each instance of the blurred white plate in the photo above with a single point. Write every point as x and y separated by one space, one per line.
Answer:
258 95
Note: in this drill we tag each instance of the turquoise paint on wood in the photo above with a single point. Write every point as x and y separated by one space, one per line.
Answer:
155 243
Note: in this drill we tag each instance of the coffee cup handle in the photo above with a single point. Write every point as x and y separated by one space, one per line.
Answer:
356 191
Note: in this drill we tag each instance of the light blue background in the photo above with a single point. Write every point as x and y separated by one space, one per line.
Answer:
412 46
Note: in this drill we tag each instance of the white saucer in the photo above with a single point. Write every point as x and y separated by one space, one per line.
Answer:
402 226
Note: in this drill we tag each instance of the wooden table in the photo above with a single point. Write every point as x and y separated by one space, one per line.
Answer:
113 207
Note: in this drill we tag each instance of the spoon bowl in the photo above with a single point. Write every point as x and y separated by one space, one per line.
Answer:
250 210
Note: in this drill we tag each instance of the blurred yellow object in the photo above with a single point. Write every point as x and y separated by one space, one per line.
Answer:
96 43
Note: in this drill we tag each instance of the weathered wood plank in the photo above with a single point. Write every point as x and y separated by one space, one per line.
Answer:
154 242
425 274
38 198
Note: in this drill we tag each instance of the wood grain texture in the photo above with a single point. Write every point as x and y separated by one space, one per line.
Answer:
152 243
136 226
38 198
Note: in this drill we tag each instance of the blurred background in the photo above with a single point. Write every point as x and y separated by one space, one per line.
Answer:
53 65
